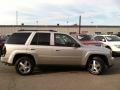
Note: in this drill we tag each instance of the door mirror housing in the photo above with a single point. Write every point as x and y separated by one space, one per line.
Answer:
76 45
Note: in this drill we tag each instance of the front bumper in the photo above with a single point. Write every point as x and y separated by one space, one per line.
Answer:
115 54
110 61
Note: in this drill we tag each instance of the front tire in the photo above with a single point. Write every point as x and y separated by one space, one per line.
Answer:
24 66
96 66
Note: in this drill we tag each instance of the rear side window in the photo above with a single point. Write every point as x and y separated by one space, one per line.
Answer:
41 39
18 38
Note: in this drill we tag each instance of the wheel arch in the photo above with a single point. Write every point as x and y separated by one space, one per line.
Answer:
23 55
108 47
103 57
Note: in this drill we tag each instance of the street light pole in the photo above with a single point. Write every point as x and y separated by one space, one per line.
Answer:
79 24
16 17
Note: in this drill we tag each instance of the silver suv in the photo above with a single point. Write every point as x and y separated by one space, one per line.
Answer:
27 48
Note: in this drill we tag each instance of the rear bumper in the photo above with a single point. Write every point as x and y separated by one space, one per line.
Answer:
4 60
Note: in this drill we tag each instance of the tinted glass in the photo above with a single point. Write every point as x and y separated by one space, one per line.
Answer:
99 38
113 38
64 40
18 38
85 37
41 39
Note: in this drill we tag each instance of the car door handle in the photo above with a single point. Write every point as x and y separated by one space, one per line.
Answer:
32 49
57 50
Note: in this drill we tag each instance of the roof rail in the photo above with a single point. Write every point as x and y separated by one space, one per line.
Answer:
38 30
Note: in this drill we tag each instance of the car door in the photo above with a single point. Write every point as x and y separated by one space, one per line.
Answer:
40 46
64 50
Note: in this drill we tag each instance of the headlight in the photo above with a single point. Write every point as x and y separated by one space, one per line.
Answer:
117 46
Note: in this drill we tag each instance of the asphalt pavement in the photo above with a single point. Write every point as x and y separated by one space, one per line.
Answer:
60 78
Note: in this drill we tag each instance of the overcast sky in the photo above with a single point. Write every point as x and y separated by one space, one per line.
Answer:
64 12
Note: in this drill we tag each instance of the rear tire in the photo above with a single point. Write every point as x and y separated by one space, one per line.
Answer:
96 66
24 66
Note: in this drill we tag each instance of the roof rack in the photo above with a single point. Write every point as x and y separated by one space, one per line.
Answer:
38 30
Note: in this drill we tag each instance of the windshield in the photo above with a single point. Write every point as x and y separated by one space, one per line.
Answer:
85 37
113 38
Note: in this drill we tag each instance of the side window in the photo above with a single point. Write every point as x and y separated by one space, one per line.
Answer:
64 40
41 39
99 38
18 38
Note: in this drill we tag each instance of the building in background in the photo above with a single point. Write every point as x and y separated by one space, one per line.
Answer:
85 29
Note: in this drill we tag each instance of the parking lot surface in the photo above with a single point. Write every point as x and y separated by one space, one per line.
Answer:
60 78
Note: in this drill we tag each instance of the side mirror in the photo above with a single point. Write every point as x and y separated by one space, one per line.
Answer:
76 45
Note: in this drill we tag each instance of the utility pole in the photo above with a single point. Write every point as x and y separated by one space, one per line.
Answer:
79 24
37 22
16 17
